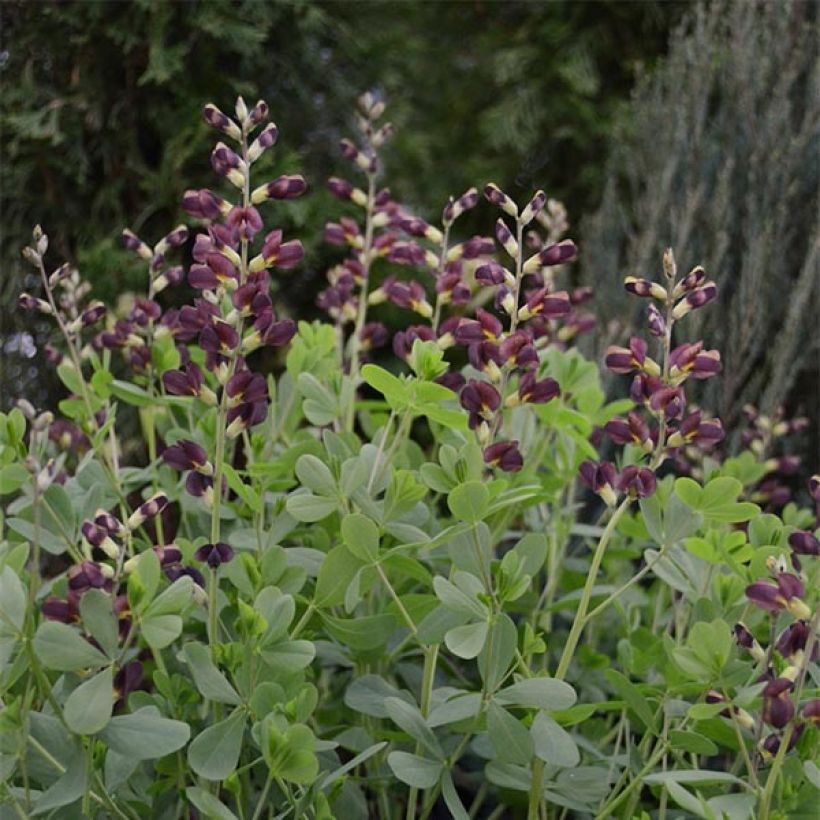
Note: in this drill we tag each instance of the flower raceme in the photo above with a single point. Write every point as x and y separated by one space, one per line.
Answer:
659 426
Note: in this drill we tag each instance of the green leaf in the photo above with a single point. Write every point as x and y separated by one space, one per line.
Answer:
553 744
61 647
314 474
532 551
692 742
89 706
732 806
510 738
408 718
538 693
700 776
243 490
310 508
130 393
12 603
12 477
214 753
70 377
97 611
208 804
289 656
172 600
361 634
468 640
210 682
451 798
469 501
415 771
633 696
391 387
145 734
361 536
335 574
456 599
160 631
68 788
498 652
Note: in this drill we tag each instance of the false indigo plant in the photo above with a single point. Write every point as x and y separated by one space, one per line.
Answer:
454 581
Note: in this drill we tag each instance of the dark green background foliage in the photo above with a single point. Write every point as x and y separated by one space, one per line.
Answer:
101 110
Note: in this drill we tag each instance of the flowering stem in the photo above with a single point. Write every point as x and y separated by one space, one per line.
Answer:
583 606
361 314
785 740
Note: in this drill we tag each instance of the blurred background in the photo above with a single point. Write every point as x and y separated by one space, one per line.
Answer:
657 123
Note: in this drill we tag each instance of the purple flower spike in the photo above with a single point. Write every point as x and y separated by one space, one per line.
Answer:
214 554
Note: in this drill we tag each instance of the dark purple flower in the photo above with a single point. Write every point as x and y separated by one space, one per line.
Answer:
537 392
638 482
204 204
625 360
786 593
778 708
631 430
804 543
149 509
56 609
173 573
481 400
404 340
214 554
504 455
287 186
601 479
645 288
186 455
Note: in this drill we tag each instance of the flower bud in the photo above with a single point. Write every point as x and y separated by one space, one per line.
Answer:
496 196
221 122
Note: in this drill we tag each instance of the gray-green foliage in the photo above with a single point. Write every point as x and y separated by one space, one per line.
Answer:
717 155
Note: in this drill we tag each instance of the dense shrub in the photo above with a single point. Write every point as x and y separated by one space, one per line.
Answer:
350 590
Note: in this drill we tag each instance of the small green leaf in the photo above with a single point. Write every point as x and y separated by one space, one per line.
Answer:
408 718
310 508
553 744
130 393
361 536
692 742
160 631
145 734
468 640
335 574
509 737
210 682
469 501
415 771
61 647
361 634
214 753
211 806
12 602
97 611
539 693
89 706
314 474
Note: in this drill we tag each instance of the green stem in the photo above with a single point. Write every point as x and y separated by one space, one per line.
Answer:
361 313
536 789
262 798
427 680
580 616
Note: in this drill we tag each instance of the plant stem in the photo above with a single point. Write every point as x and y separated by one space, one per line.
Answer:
262 798
361 313
583 606
427 680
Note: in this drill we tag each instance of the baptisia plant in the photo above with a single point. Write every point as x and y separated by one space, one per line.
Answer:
410 562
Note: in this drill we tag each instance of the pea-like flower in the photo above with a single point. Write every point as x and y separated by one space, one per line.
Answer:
505 455
214 554
785 594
